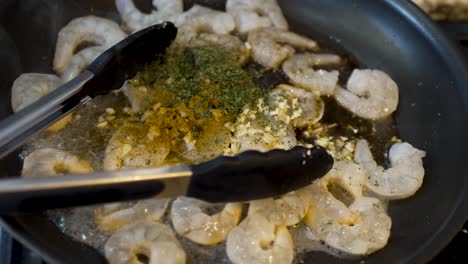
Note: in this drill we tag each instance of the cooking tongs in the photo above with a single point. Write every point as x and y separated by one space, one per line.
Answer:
108 72
248 176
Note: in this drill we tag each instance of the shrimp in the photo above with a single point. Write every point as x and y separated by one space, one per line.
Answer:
231 43
288 210
301 107
29 87
134 19
271 46
111 217
80 61
257 240
299 69
52 162
153 241
402 180
200 19
251 15
262 134
136 146
368 233
370 94
190 220
349 179
96 30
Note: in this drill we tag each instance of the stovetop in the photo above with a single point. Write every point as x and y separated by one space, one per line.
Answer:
12 252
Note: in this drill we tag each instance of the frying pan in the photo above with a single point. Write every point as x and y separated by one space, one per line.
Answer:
393 36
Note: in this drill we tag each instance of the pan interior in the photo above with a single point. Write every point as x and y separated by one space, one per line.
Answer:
378 34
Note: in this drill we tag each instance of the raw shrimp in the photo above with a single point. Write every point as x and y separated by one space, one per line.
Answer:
136 145
348 179
368 233
199 19
301 107
254 14
272 46
91 29
300 70
287 210
80 61
29 87
370 94
134 19
190 220
262 134
111 217
231 43
152 241
402 180
51 162
257 240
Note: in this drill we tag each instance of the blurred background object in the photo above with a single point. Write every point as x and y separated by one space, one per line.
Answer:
453 10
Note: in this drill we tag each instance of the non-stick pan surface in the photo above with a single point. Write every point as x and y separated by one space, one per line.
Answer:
393 36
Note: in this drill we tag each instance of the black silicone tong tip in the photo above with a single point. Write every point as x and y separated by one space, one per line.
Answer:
124 60
254 175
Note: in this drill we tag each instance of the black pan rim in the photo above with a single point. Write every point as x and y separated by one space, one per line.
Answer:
448 50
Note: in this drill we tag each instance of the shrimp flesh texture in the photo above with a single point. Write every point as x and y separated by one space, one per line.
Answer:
370 94
134 19
29 87
91 29
255 14
52 162
80 61
301 107
272 46
190 220
254 135
136 146
350 178
288 210
300 70
402 179
150 239
200 19
257 240
111 217
368 233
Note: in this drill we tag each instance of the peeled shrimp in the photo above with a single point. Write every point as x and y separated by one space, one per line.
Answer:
272 46
199 19
111 217
255 135
51 162
153 240
402 180
350 179
96 30
190 220
80 61
298 106
370 94
368 233
287 210
136 146
29 87
134 19
257 240
299 69
254 14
